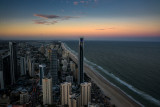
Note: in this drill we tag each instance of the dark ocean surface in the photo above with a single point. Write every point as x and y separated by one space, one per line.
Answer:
134 67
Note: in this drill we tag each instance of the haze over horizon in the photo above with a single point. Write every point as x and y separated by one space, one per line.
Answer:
70 19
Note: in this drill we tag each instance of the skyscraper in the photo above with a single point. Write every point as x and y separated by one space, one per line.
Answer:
47 90
1 73
42 68
85 92
6 70
13 62
81 75
31 67
54 66
65 91
23 66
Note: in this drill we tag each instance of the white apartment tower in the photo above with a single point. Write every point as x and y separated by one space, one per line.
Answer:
47 90
65 92
42 68
85 93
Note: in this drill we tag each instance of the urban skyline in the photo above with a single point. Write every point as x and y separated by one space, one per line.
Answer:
61 74
55 84
79 53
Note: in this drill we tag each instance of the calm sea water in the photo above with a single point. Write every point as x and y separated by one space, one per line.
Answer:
134 67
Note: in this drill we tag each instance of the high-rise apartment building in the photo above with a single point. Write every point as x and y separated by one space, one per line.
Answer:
47 90
1 73
42 68
65 90
31 67
54 66
13 62
85 93
23 65
6 71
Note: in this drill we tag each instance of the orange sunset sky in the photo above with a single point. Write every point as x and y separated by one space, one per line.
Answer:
70 18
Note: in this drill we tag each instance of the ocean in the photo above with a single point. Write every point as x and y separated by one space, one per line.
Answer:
134 67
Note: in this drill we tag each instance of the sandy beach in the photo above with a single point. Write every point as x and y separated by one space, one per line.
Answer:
118 98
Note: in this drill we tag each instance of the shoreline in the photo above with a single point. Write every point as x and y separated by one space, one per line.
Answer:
118 97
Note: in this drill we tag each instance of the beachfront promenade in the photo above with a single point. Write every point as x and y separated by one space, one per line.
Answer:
118 98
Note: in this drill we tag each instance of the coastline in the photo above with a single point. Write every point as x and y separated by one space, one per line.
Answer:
118 97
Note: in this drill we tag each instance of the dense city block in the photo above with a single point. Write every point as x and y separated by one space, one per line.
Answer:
44 73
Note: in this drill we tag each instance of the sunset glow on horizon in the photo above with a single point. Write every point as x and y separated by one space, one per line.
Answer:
90 18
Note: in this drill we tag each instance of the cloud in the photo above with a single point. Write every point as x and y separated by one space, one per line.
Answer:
46 16
100 29
111 28
55 19
75 3
44 22
68 17
82 1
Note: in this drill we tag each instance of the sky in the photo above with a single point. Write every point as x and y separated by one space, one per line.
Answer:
75 18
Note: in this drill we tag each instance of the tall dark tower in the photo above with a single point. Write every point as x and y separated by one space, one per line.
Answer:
6 70
81 75
13 62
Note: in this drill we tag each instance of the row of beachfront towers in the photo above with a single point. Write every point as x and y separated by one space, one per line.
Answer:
80 98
